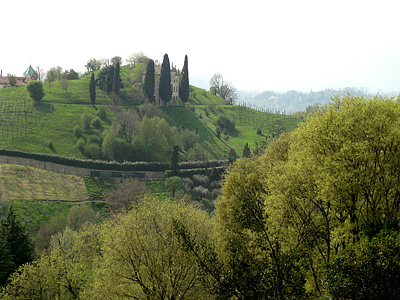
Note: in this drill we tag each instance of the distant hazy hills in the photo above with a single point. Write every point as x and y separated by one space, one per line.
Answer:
291 101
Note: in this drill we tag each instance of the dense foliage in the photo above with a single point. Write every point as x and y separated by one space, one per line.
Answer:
316 216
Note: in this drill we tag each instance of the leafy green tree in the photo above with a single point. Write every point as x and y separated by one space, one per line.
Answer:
174 183
63 272
128 193
71 75
79 215
225 124
12 80
116 60
92 89
184 83
142 258
165 90
149 81
35 89
369 269
91 65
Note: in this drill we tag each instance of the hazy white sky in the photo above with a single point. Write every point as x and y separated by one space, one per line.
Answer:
258 45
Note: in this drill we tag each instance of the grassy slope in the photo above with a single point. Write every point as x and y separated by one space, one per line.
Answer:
60 112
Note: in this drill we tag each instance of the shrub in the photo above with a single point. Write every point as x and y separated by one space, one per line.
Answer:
259 131
93 151
81 145
86 120
101 113
149 110
77 131
225 124
200 192
96 123
94 139
200 180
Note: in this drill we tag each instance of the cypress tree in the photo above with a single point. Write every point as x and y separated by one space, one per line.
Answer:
165 90
184 84
6 263
92 89
116 80
174 160
149 81
16 239
246 150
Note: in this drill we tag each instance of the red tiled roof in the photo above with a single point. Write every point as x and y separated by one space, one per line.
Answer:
21 81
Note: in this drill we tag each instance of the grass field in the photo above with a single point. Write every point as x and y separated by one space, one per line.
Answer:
27 183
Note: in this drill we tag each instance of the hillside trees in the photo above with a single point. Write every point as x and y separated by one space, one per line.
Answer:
149 81
91 65
105 78
184 87
165 90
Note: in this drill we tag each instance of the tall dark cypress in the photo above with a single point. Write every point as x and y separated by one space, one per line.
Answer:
165 90
149 81
116 80
16 239
92 89
184 84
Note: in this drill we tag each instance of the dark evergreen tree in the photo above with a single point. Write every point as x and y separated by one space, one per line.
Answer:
16 239
105 79
117 79
165 90
174 160
184 84
149 81
232 156
246 150
6 262
92 89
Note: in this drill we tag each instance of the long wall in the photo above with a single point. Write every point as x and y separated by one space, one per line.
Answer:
63 169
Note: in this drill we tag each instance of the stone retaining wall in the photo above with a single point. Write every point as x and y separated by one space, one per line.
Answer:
63 169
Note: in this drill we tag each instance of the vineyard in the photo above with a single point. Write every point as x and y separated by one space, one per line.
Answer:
264 119
18 119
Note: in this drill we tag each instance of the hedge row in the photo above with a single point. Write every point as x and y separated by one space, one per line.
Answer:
108 165
199 171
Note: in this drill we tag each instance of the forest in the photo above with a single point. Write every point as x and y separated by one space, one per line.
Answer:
315 216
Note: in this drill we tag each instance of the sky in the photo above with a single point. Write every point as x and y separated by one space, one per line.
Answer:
256 45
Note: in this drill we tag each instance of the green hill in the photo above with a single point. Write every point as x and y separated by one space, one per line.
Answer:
49 126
